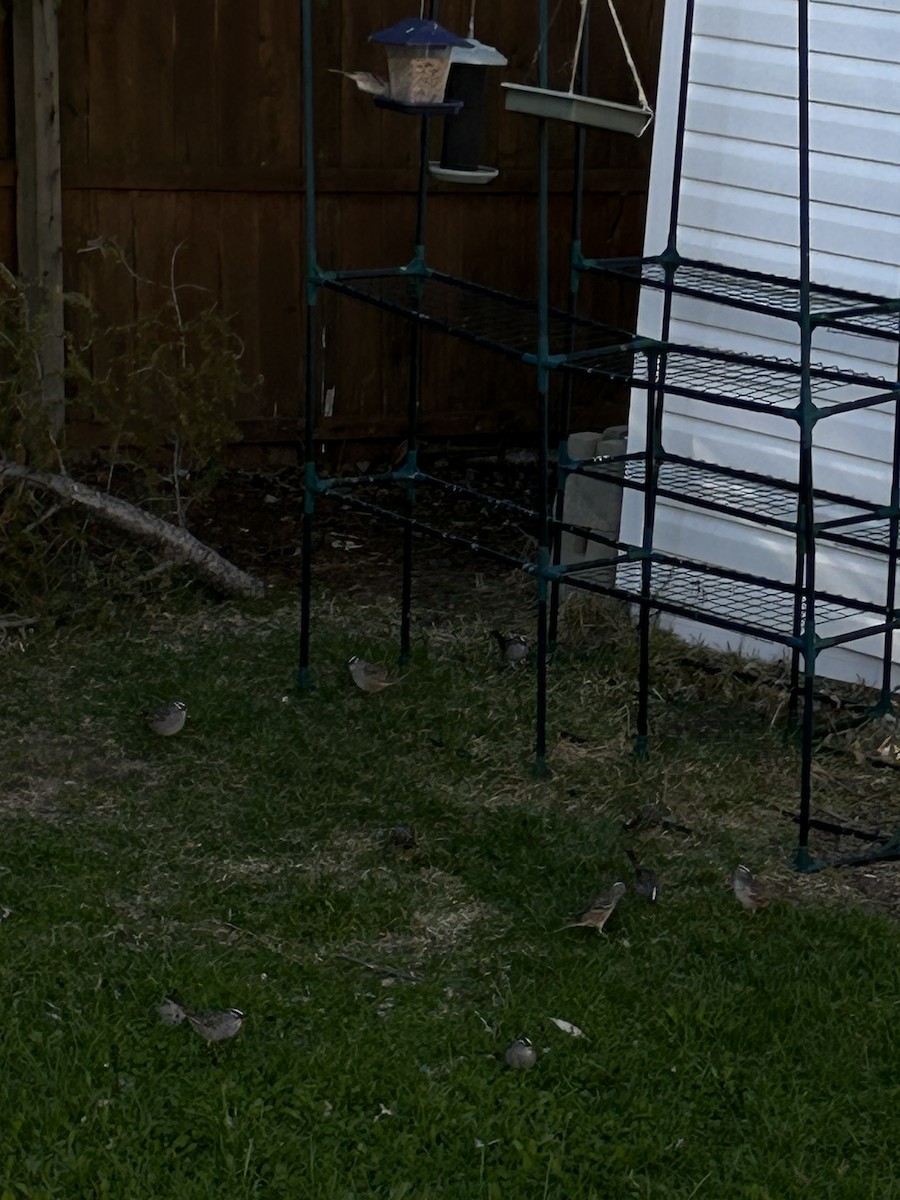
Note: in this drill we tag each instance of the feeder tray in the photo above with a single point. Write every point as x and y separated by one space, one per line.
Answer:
455 175
446 108
585 110
578 110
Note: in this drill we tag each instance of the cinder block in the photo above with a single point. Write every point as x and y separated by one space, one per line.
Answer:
594 504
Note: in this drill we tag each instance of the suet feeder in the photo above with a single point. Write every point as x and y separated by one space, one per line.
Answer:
418 59
462 137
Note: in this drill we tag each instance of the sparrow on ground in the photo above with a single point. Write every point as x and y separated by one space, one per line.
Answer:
521 1055
654 814
169 719
513 646
401 837
216 1025
369 677
600 911
374 85
645 881
747 890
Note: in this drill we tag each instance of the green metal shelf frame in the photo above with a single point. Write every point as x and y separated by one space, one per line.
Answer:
812 307
793 614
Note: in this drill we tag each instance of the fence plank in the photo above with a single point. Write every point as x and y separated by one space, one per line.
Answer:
38 196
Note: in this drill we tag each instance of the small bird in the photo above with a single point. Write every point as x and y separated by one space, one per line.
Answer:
369 677
171 1012
513 646
645 881
373 85
401 837
600 911
216 1025
521 1055
169 719
747 890
654 814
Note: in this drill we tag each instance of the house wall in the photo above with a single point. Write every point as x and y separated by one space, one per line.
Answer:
739 205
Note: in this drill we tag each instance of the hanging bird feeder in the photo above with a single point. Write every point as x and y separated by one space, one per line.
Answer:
585 110
462 138
418 58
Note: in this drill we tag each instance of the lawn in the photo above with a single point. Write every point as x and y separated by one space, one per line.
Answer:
248 861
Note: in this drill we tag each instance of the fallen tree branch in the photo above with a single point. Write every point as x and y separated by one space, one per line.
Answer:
177 543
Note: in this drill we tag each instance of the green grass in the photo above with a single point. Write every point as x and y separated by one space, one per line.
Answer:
245 862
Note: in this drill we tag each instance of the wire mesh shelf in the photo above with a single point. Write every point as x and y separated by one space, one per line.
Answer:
493 319
774 295
753 383
749 496
509 325
748 605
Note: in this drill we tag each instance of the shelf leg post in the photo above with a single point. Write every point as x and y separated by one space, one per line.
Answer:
565 415
652 447
803 860
543 388
312 278
885 702
409 501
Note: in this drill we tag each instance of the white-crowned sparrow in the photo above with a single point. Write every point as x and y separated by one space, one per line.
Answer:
216 1026
596 916
645 882
521 1055
169 719
369 677
374 85
513 646
747 890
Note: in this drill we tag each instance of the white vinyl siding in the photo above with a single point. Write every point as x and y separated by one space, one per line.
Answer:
739 206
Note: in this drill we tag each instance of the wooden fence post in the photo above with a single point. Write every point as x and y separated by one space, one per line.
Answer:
38 191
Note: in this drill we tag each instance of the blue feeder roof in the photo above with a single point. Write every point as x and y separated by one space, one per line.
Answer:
413 31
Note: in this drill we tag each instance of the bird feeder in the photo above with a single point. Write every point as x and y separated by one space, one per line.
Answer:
467 82
418 58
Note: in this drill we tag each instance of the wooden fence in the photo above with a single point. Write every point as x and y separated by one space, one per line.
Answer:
179 125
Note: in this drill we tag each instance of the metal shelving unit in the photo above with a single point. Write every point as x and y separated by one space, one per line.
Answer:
800 390
795 613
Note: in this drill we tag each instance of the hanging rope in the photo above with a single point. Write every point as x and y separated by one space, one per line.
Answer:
550 24
642 95
578 40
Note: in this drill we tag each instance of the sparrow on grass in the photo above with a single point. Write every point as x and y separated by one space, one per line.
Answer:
169 719
216 1025
369 677
513 646
596 916
747 891
521 1055
401 837
645 882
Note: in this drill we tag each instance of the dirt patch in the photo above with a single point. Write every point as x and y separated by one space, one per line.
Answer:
44 773
256 521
